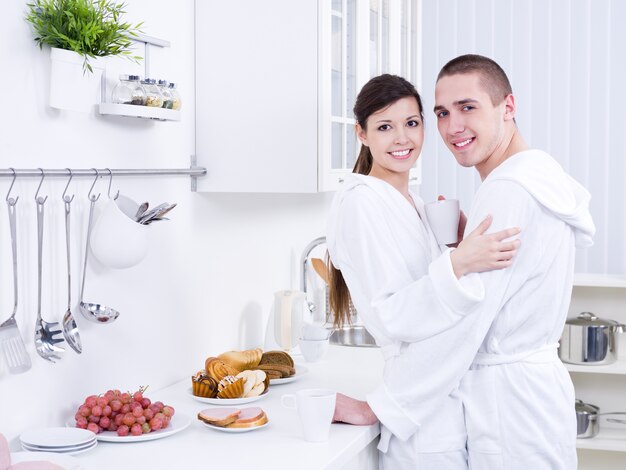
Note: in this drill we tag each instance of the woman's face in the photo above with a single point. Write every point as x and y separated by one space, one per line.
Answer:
394 136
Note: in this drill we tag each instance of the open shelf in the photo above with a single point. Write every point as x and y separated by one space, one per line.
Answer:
599 280
611 439
145 112
617 368
129 110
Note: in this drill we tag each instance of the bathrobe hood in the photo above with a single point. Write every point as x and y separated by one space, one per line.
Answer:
543 177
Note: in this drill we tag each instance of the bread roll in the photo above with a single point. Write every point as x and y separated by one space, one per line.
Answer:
218 369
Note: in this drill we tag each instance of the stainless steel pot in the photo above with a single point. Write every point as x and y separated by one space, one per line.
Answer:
588 419
589 340
587 424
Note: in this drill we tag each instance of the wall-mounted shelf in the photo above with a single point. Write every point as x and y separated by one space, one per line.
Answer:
599 280
617 368
146 112
610 439
143 112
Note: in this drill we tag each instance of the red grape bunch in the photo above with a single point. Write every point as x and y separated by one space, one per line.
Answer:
123 413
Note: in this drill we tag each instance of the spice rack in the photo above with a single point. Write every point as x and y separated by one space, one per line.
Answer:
129 110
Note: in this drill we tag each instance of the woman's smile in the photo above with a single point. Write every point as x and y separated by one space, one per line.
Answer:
401 154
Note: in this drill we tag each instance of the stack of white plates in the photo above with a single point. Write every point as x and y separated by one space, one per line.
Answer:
59 440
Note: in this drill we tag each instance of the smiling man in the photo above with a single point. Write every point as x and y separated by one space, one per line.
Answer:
518 398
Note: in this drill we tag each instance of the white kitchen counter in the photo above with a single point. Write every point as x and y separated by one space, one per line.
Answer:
353 371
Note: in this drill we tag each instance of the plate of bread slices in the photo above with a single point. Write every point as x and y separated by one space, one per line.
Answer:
233 419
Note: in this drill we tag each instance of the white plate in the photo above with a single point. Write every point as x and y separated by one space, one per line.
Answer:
233 430
65 450
57 437
59 449
177 424
300 371
66 461
228 401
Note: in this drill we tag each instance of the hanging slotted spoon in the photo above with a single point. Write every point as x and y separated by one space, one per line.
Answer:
11 341
46 333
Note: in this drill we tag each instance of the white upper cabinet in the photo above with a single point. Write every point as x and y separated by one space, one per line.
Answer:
276 82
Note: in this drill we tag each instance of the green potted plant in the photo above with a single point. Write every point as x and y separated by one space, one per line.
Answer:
90 28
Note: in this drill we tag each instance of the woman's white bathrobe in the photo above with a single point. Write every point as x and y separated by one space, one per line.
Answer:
405 291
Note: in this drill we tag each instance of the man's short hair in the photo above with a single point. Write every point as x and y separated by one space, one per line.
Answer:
492 78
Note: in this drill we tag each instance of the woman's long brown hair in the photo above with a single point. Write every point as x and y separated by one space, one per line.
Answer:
377 94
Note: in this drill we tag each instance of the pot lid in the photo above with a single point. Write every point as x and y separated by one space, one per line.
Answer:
586 408
589 319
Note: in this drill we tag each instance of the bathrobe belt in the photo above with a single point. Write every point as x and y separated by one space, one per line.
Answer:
544 354
547 353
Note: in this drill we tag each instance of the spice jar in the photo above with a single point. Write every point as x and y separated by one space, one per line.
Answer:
153 95
176 102
138 91
165 92
122 93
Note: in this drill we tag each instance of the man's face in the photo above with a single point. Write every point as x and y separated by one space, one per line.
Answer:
470 125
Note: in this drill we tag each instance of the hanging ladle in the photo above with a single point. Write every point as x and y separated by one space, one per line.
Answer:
70 329
96 313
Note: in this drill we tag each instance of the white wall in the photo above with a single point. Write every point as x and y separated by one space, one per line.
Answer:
565 60
207 283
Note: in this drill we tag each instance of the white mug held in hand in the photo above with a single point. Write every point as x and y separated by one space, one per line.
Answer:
443 218
316 408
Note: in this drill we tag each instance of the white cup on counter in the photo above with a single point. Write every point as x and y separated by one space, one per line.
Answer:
117 240
443 218
316 408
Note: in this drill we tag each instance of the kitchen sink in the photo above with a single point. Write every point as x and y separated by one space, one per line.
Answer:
353 336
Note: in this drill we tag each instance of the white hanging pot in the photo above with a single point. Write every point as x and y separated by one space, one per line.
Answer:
72 88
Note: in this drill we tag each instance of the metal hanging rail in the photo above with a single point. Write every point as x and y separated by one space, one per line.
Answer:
194 172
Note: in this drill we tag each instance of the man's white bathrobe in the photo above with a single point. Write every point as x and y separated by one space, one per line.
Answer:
518 398
405 291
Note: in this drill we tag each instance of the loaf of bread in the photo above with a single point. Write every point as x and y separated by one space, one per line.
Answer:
242 360
218 369
284 370
277 357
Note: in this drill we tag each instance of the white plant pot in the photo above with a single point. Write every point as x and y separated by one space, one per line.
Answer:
70 88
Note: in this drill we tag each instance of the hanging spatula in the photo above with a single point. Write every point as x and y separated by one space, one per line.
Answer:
11 341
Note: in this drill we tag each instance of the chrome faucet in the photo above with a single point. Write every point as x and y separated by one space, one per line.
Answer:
303 265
